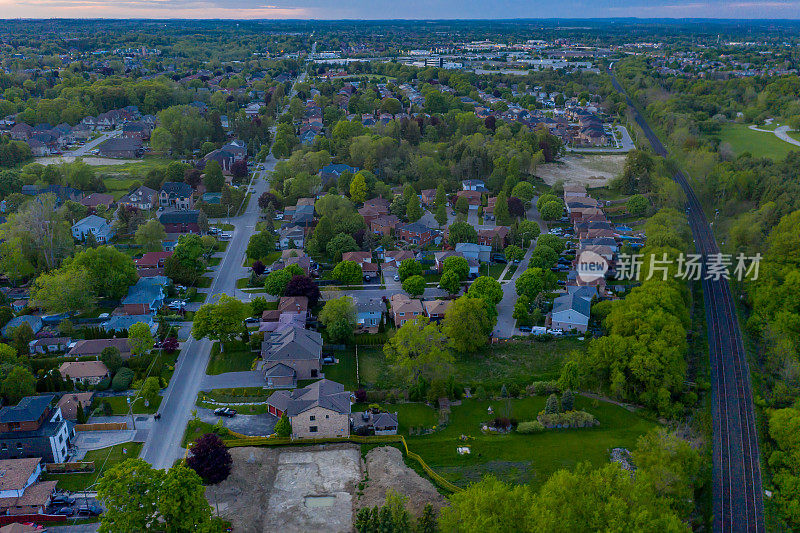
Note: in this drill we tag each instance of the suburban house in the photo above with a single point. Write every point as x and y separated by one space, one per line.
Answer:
436 309
378 204
357 257
496 235
370 213
136 130
393 258
369 423
384 224
573 191
121 147
439 258
122 323
428 197
333 171
291 237
414 233
480 252
321 409
473 185
404 308
369 315
95 347
33 321
85 372
94 225
70 401
33 428
151 264
146 296
175 194
290 355
21 492
180 221
49 345
143 198
97 199
571 312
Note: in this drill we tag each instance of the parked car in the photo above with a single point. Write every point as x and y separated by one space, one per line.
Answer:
397 277
62 499
66 511
225 411
525 329
252 320
328 361
90 510
499 258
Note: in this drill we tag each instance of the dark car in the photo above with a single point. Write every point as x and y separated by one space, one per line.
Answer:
499 258
90 510
62 499
525 329
66 511
225 411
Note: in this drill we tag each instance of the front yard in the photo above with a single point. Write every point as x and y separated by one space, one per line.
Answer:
119 405
104 459
237 357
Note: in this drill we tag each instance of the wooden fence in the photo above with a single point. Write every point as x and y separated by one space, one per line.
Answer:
106 426
69 468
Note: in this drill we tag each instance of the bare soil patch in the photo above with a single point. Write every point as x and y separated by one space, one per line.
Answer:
386 470
587 170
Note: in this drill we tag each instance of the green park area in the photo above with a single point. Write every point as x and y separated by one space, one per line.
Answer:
759 143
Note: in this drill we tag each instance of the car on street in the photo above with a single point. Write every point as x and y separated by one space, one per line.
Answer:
225 411
177 304
397 277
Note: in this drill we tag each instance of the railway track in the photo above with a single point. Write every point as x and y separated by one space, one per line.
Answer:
738 503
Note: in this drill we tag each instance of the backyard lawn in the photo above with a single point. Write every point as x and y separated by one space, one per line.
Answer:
523 458
76 482
416 415
236 358
759 143
119 405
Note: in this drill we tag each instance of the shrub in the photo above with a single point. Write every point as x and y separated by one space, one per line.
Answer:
104 384
376 396
480 392
552 406
528 428
122 379
571 419
107 409
361 395
567 401
541 388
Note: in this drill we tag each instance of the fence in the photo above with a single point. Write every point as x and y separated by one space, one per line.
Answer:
243 440
106 426
69 468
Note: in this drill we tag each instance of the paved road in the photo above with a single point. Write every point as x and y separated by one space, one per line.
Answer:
781 132
738 503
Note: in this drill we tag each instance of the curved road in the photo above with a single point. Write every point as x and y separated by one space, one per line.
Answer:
738 503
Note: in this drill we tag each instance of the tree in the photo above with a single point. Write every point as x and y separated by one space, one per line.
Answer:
8 355
13 263
151 235
524 191
21 336
418 351
553 242
111 357
261 244
210 458
341 244
122 379
514 253
450 282
283 427
441 197
182 501
267 200
637 205
488 289
339 318
545 198
140 338
516 208
501 213
413 209
467 324
303 286
409 267
457 264
213 178
129 494
462 205
358 188
348 273
220 321
462 232
440 215
150 390
276 281
489 505
414 285
532 282
524 232
552 210
18 384
64 290
110 271
521 310
40 231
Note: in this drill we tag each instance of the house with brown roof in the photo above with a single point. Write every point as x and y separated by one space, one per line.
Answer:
151 264
414 233
86 372
436 309
358 257
403 308
385 225
473 198
428 197
94 347
393 258
97 199
49 345
487 236
321 409
371 213
378 204
21 492
70 401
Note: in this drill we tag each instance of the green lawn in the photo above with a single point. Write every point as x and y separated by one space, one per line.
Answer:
344 371
76 482
758 143
416 415
524 458
119 405
496 269
236 358
194 430
231 397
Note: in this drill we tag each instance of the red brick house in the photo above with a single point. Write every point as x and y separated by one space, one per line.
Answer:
180 221
151 264
487 236
414 233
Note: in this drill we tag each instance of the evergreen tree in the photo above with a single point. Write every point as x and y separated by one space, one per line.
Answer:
552 407
501 214
568 400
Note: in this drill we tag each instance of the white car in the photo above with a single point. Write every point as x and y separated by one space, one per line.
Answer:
397 277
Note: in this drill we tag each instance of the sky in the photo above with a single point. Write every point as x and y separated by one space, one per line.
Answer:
400 9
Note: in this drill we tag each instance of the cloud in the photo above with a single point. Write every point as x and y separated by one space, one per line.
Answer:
156 9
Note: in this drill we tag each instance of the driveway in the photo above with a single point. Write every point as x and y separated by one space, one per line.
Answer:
230 380
251 425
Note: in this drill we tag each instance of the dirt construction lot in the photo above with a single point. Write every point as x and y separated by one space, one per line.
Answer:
586 170
290 489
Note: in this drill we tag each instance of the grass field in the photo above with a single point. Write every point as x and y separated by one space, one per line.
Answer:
76 482
523 458
416 415
236 358
119 405
194 430
759 143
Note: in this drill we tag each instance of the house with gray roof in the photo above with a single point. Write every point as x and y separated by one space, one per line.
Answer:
293 347
571 312
479 252
370 423
120 323
93 225
33 428
175 194
320 410
146 296
34 322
